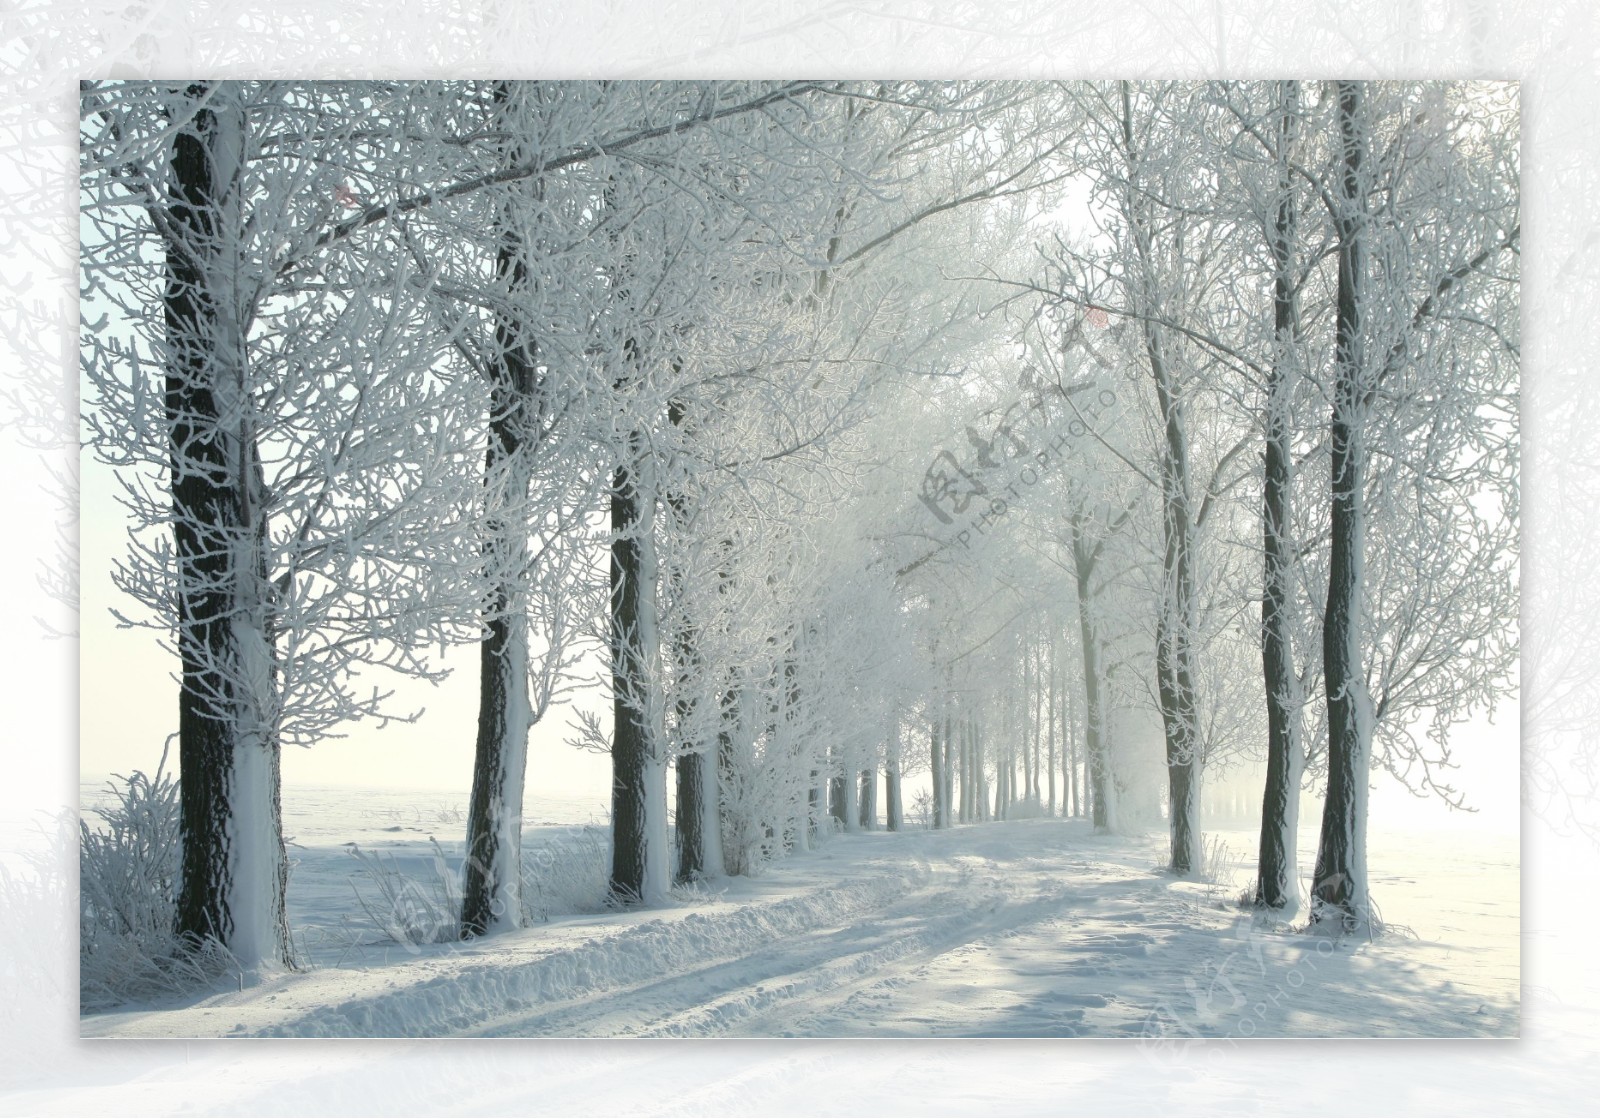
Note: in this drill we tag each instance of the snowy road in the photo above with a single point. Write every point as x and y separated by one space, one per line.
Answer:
1031 928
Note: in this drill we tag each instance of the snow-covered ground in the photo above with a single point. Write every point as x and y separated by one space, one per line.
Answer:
1033 928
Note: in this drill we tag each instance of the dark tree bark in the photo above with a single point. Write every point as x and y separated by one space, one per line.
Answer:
981 777
724 772
1025 731
638 782
1050 721
233 868
891 790
729 717
975 759
491 887
1085 555
1275 882
960 783
696 804
1175 621
1070 801
1339 886
949 771
1000 787
633 764
1036 729
690 817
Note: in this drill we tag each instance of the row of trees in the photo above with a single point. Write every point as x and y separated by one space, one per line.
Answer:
659 369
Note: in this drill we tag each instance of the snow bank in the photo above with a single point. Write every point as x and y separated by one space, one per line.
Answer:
1035 928
479 990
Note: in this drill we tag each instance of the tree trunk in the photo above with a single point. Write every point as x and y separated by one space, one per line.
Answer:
1070 805
891 780
836 788
1036 730
729 791
491 887
949 770
1050 720
797 833
1280 806
491 895
638 790
1002 744
848 790
982 772
1026 729
233 870
1175 622
1097 761
816 811
964 766
695 824
724 772
1339 887
980 785
696 811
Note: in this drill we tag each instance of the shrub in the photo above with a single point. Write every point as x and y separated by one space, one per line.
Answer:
411 911
127 901
569 874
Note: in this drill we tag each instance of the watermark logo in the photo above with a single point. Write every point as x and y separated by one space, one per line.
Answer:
973 494
1234 996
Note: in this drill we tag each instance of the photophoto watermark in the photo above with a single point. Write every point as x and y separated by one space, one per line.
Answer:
970 494
1217 1007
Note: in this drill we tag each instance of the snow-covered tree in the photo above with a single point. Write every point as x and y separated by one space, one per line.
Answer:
287 443
1421 605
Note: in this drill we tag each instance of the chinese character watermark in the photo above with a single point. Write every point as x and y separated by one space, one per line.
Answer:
1014 456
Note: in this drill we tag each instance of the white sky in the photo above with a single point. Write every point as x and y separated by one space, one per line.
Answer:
129 697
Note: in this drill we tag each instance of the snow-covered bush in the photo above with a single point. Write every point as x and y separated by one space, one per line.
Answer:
570 874
1219 869
127 900
1217 862
418 901
921 814
1028 808
760 797
411 910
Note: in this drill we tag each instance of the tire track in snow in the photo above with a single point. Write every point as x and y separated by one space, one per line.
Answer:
770 1010
1047 902
468 999
774 982
637 1009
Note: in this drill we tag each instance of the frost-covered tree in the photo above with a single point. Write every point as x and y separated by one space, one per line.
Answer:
254 249
1421 605
719 319
1280 303
285 441
513 267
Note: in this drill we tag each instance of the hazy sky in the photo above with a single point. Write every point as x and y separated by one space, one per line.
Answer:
129 697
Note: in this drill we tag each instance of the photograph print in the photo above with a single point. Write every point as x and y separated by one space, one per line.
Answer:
800 559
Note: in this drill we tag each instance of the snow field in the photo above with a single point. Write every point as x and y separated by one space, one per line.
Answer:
1032 928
